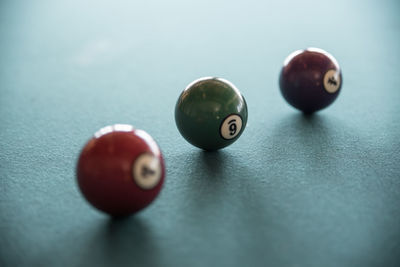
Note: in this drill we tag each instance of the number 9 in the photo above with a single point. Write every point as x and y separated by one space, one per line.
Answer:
232 127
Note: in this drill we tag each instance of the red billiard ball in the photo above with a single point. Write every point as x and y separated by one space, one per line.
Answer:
310 79
120 170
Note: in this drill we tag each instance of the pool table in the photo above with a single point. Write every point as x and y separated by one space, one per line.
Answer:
294 190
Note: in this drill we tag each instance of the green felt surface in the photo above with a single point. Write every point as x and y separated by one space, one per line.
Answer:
292 191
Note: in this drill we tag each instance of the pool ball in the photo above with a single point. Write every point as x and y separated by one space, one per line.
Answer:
120 170
211 113
310 79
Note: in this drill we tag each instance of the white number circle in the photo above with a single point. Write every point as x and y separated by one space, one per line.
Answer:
332 81
146 171
231 126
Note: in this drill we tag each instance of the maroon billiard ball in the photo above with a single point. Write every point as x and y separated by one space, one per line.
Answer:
310 79
120 170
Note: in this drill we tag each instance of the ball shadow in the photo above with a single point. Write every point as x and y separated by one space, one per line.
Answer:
304 146
223 181
226 196
123 241
213 163
207 175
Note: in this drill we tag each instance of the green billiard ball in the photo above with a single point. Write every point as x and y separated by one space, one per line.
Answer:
211 113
